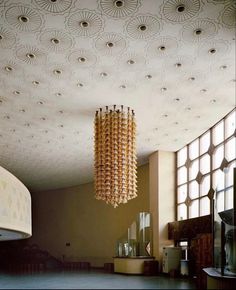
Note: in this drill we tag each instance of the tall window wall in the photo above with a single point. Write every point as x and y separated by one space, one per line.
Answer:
205 166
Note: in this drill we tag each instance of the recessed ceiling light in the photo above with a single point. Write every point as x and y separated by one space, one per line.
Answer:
81 59
61 112
27 124
22 111
58 94
165 115
130 61
8 68
43 118
84 24
162 47
57 71
213 101
188 109
163 89
176 123
35 83
148 77
23 18
191 79
109 44
223 67
61 126
177 99
16 93
80 85
212 50
178 64
6 117
55 40
122 86
203 90
142 27
40 103
30 55
103 74
119 3
1 37
198 31
180 8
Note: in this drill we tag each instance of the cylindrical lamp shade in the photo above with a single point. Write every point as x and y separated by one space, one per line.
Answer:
15 208
115 155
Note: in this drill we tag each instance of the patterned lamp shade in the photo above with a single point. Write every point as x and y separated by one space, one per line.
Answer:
115 155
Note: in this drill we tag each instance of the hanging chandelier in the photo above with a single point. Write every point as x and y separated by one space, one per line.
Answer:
115 155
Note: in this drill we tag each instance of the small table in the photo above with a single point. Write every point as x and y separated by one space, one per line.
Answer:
130 265
217 281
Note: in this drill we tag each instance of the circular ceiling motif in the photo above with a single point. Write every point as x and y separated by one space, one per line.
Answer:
143 26
82 58
180 10
7 38
199 30
24 18
31 55
85 23
163 46
55 40
54 6
212 50
9 67
228 17
110 43
119 8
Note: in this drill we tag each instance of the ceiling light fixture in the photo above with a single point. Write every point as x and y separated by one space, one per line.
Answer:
84 24
23 18
115 155
119 4
55 41
198 31
142 27
180 8
109 44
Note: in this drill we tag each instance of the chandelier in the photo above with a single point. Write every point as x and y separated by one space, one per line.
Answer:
115 155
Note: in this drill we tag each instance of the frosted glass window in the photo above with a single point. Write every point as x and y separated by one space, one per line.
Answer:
230 124
230 174
182 193
218 133
182 156
205 142
229 198
182 212
218 180
220 201
204 206
205 185
194 209
194 149
230 149
205 164
182 175
193 170
218 156
193 189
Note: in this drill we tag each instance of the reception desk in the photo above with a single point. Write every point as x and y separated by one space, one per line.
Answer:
130 265
217 281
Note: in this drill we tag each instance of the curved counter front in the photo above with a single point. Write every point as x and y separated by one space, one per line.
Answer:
15 208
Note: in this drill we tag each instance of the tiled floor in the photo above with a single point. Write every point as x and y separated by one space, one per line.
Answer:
90 280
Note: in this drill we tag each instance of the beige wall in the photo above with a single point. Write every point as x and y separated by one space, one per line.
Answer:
91 227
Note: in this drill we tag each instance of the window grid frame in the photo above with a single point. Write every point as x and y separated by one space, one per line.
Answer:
211 172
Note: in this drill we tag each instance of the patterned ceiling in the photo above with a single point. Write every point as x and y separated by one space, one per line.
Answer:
171 61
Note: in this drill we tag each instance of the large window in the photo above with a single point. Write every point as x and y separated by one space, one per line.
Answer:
205 166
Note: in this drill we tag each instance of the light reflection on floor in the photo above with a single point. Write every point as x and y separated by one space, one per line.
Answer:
94 279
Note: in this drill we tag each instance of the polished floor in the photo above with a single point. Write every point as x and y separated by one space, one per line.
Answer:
90 280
